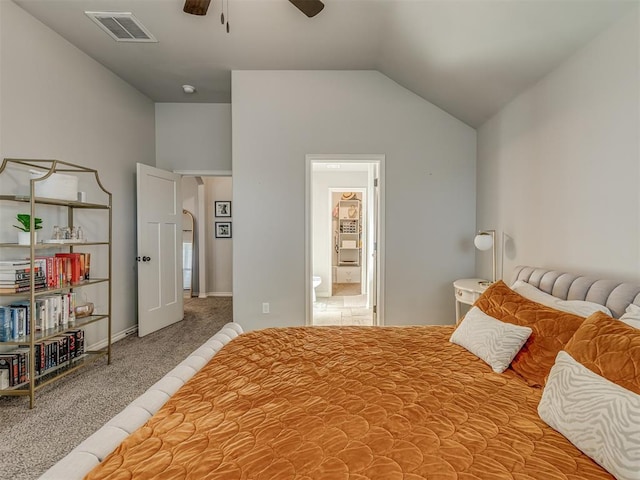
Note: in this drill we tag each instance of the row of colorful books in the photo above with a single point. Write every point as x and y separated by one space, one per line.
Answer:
50 354
59 270
51 311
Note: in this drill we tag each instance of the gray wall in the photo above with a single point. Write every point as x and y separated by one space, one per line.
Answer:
280 116
559 167
56 102
192 136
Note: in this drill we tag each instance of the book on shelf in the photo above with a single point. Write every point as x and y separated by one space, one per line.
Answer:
5 324
87 266
60 270
15 263
74 266
18 322
51 311
79 341
10 370
18 274
63 348
4 290
23 364
22 279
48 354
71 339
26 281
12 271
14 368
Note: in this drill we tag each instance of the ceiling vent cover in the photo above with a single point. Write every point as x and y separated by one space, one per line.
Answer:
122 26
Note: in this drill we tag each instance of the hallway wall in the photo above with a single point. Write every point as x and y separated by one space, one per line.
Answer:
218 251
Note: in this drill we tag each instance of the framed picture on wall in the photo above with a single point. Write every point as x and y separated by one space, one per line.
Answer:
223 229
223 209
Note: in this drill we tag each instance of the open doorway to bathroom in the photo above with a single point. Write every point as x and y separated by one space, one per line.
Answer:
344 243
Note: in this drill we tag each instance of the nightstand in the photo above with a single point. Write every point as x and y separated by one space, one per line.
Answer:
467 291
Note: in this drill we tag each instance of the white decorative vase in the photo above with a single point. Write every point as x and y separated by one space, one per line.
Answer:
24 238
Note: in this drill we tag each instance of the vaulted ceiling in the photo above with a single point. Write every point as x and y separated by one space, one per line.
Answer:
469 57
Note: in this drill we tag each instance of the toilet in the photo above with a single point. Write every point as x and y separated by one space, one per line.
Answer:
316 281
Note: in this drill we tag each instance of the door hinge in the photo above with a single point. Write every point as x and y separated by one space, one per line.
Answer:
375 309
375 182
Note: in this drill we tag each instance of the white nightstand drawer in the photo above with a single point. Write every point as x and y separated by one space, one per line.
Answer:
467 291
466 296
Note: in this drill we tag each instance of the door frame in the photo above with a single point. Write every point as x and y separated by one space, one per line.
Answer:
380 256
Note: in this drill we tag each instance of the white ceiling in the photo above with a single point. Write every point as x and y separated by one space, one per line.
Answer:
469 57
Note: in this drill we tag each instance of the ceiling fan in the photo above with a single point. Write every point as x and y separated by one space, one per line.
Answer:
309 7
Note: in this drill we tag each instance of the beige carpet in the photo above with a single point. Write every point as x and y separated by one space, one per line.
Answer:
70 410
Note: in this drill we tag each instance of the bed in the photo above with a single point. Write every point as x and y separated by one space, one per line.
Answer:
393 402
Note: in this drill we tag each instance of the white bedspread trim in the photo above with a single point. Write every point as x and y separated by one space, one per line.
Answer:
82 459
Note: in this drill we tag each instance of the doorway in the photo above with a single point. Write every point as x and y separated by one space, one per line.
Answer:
211 253
344 239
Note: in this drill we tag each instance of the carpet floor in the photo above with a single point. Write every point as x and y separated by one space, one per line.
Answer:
70 410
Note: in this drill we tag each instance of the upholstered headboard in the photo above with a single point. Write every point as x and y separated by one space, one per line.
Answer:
616 296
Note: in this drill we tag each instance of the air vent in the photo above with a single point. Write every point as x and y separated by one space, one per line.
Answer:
122 26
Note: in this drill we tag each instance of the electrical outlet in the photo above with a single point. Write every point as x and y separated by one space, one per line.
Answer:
265 308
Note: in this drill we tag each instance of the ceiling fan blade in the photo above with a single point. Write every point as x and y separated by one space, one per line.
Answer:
309 7
196 7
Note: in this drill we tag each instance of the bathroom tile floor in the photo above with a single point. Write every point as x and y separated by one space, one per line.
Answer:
348 310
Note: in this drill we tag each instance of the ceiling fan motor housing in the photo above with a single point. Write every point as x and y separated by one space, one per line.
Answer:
309 7
196 7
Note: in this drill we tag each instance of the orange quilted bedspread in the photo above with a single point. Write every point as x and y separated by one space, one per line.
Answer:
350 403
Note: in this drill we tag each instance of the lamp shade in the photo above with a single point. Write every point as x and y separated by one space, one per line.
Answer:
483 241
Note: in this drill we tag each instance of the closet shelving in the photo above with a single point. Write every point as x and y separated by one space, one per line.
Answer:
44 170
349 241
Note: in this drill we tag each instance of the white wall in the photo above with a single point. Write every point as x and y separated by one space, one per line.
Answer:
56 102
279 117
193 136
559 167
322 231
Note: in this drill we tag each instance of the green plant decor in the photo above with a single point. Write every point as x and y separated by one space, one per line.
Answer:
25 220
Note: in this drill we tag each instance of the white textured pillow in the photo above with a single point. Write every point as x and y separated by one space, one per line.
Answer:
596 415
577 307
632 316
489 339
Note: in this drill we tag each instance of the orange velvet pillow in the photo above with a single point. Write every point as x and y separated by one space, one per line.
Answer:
551 328
610 348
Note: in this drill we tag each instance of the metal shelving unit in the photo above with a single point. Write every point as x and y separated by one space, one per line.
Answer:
48 168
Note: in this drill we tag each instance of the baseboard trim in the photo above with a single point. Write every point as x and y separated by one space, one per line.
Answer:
211 294
115 338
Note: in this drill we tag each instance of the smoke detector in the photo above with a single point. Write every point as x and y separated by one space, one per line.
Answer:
189 89
122 26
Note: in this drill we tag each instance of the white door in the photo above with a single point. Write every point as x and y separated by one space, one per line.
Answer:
159 203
